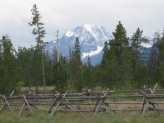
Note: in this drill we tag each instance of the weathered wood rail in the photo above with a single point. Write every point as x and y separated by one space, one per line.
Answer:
140 101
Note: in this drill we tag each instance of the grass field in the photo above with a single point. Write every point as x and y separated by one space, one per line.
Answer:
39 117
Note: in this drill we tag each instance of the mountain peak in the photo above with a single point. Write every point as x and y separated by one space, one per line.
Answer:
91 38
97 33
69 34
89 27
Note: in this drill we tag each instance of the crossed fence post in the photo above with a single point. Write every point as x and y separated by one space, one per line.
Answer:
26 105
57 102
6 104
148 104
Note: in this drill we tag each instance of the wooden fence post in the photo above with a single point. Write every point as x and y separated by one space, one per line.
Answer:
26 104
6 104
57 102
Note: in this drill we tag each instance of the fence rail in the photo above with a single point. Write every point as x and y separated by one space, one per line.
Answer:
141 101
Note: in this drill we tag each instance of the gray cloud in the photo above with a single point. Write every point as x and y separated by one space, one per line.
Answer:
65 14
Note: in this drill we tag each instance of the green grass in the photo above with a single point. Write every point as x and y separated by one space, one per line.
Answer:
39 117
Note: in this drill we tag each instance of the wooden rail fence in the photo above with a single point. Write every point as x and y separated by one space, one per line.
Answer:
140 101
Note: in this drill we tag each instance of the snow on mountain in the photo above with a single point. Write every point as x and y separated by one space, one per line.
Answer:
69 34
91 39
92 53
147 44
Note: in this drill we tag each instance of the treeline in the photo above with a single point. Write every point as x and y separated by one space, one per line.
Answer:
121 66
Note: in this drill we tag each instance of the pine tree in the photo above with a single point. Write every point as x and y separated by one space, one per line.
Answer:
8 66
161 60
39 32
154 60
76 52
60 75
119 43
1 63
105 59
29 67
119 66
89 64
136 41
23 60
75 66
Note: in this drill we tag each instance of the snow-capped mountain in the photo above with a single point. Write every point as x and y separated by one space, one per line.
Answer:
91 38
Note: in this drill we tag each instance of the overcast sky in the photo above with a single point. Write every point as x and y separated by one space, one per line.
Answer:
66 14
